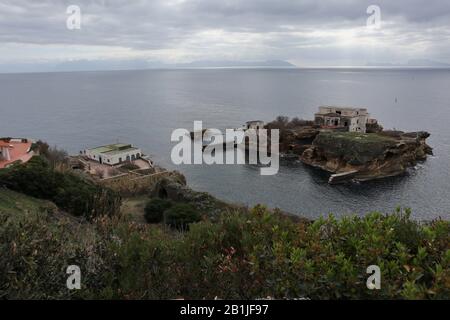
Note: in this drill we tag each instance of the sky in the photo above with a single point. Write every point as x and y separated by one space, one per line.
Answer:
303 32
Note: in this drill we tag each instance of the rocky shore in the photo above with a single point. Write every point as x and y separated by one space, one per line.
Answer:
366 156
352 156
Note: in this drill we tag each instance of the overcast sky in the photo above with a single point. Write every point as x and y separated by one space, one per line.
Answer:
304 32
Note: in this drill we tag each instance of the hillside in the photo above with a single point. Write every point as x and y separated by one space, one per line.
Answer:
201 248
245 255
15 203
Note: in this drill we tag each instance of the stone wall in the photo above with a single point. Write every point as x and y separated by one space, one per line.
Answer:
132 185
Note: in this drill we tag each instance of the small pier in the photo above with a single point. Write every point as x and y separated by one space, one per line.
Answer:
342 177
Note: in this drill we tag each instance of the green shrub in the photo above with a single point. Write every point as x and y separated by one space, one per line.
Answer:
154 210
35 250
70 192
245 255
181 215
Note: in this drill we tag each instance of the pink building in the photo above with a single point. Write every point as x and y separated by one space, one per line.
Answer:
14 150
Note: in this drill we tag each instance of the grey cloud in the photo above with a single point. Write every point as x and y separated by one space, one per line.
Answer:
166 24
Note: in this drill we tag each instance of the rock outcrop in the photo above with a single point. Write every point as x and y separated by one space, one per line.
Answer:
366 156
176 189
296 141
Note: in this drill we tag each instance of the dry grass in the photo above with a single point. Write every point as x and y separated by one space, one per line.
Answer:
134 208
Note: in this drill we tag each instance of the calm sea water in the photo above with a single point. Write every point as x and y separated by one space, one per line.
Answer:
86 109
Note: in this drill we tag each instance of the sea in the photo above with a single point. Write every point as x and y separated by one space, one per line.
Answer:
78 110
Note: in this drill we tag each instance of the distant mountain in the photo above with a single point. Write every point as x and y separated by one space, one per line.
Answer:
136 64
410 63
236 64
81 65
96 65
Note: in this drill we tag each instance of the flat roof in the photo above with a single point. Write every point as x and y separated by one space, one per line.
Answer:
119 151
113 148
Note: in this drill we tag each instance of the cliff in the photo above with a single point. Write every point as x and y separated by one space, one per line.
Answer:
367 156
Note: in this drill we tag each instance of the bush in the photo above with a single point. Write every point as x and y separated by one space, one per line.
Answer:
245 255
181 215
282 123
154 210
37 178
54 155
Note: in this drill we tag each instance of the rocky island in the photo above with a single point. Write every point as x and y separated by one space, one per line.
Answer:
363 157
348 144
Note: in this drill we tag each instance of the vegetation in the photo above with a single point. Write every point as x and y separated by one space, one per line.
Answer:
37 178
283 123
55 157
246 254
362 138
155 208
17 203
181 215
240 254
356 148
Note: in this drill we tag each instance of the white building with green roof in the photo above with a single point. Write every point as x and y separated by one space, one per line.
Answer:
113 154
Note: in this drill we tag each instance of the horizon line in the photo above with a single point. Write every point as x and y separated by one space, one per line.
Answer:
293 67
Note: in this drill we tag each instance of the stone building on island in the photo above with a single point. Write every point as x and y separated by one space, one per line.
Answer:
345 119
